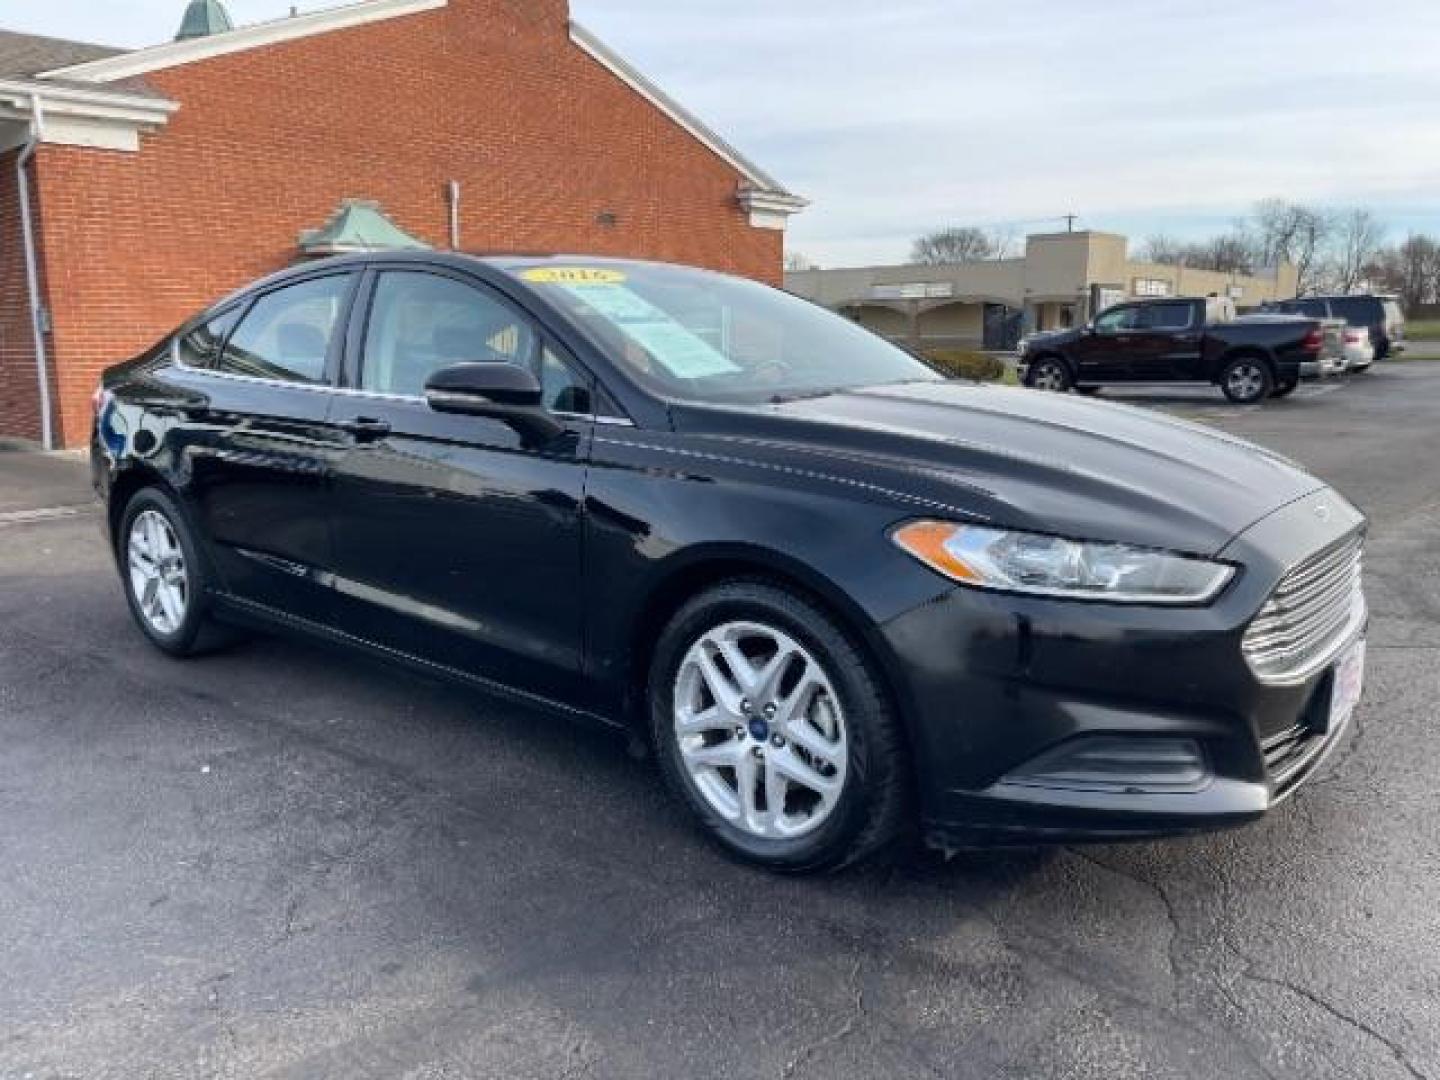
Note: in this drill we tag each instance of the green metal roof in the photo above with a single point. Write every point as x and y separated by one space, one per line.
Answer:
358 225
203 18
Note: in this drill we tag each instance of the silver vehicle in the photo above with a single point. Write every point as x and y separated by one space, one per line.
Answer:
1381 316
1359 349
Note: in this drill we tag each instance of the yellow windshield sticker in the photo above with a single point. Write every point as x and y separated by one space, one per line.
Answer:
573 275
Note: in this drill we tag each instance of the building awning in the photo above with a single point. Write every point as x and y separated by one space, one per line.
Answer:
358 226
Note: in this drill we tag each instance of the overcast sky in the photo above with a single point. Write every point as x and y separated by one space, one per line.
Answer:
897 116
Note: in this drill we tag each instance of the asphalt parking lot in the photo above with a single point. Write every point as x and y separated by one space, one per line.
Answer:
283 862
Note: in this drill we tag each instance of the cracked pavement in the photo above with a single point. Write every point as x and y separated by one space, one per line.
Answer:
286 862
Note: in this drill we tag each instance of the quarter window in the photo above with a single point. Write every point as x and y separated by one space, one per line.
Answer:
287 333
421 323
200 348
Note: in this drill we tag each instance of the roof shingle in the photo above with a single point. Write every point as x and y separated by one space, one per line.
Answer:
22 55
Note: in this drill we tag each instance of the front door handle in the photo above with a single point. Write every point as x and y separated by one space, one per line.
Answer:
366 428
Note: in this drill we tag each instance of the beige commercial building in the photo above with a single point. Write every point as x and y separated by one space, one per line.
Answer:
1063 280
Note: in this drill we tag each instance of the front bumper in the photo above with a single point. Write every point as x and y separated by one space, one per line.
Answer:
995 684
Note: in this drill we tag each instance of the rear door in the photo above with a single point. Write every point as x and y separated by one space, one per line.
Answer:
262 448
1167 342
455 541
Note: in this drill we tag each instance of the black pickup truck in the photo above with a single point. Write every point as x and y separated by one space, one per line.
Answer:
1178 340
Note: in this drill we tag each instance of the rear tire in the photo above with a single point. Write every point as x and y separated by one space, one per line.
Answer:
166 577
1049 373
1284 389
1246 380
813 737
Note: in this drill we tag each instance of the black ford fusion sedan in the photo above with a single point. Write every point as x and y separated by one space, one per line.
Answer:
837 594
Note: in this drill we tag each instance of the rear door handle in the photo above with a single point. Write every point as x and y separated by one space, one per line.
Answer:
366 428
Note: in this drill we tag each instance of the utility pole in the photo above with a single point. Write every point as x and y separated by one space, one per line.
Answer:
1070 222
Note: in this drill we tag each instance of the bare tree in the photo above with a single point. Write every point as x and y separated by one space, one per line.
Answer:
796 261
1231 253
956 245
1313 230
1358 239
1411 270
1286 232
1159 248
1005 241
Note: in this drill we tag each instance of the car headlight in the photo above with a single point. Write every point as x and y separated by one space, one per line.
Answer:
1051 566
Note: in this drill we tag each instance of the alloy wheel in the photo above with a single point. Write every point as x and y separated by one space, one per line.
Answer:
760 730
1049 376
159 580
1246 382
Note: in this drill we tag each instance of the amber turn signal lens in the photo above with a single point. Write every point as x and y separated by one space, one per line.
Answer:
926 541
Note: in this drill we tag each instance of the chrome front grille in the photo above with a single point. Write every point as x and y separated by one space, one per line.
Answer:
1314 610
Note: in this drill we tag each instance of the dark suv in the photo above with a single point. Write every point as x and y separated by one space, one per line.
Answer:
1381 315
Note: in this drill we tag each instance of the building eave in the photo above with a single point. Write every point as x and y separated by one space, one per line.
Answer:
276 31
757 181
79 116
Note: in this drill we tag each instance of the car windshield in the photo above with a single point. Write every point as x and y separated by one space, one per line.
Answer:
693 335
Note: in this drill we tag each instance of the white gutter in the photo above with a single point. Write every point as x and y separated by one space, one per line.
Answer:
32 275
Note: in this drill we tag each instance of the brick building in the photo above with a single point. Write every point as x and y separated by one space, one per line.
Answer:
162 178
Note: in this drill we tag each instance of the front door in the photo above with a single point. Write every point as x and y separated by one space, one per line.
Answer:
455 542
1104 352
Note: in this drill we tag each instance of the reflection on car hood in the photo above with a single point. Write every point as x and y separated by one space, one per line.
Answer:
1023 459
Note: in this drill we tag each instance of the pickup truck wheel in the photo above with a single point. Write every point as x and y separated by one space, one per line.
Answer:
1246 380
1281 389
1049 373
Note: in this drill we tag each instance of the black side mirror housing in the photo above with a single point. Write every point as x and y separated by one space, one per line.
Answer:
500 391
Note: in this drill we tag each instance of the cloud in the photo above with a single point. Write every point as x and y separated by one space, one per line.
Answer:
899 117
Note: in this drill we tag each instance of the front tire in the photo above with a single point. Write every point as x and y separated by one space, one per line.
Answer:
1247 380
771 725
165 576
1049 373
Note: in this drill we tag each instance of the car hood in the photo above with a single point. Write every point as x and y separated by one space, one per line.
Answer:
1021 459
1056 338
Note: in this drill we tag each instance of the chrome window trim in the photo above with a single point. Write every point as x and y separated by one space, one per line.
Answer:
372 395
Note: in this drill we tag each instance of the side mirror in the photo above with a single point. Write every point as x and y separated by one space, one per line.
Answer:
499 391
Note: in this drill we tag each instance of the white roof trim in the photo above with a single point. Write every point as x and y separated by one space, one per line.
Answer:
16 98
628 74
175 53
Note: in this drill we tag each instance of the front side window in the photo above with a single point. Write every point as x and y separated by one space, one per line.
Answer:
421 323
1123 318
694 335
287 333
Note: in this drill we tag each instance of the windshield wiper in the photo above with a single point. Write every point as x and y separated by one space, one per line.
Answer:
806 395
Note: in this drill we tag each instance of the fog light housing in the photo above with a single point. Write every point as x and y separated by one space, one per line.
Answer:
1121 764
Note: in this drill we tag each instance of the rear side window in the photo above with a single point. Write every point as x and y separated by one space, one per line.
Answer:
200 348
1358 310
1314 309
1166 316
287 333
1394 316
